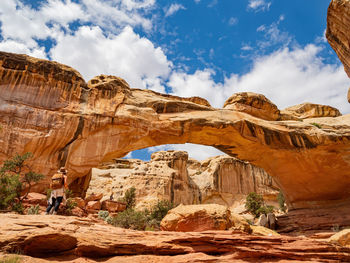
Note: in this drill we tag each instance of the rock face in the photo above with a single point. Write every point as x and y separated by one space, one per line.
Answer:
197 218
254 104
49 236
310 221
310 110
49 110
338 23
225 180
170 175
164 177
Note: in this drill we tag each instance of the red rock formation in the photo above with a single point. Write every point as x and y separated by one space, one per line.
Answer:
49 236
48 109
170 175
338 23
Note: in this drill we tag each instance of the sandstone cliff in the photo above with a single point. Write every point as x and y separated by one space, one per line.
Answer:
170 175
164 177
338 23
49 110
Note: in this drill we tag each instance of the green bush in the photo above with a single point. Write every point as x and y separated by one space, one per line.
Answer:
159 211
255 205
103 214
265 210
142 220
16 178
131 219
316 125
9 185
33 210
70 205
130 198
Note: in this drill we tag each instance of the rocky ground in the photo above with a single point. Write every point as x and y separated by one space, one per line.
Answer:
72 239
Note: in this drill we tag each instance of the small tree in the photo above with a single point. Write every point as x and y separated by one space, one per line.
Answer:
253 203
16 179
159 211
130 198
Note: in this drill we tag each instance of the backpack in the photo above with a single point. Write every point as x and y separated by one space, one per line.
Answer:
57 181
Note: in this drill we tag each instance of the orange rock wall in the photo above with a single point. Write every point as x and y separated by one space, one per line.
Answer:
48 109
338 24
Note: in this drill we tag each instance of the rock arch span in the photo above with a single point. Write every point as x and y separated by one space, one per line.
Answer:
48 109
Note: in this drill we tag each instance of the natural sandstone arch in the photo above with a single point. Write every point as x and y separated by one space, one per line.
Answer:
49 110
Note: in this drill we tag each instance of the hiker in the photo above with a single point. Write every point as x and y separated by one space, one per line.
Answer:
58 186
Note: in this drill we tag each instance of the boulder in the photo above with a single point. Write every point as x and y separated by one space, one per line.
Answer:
239 223
263 221
309 110
93 197
113 206
93 206
341 238
254 104
77 211
271 218
186 218
79 201
36 199
263 231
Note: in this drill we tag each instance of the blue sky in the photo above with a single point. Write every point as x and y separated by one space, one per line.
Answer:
207 48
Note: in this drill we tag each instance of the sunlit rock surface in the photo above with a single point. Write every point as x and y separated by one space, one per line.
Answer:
172 176
338 24
59 238
49 110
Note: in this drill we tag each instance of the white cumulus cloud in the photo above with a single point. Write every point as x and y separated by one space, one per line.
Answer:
195 151
128 55
287 77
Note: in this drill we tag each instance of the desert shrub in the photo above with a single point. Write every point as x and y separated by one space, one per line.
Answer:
9 185
109 220
142 220
131 218
103 214
70 205
255 205
265 210
33 210
16 179
11 259
129 198
159 211
281 201
316 125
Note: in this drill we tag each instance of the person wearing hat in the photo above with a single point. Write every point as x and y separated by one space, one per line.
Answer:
58 186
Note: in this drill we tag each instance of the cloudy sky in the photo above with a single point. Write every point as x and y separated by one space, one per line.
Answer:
206 48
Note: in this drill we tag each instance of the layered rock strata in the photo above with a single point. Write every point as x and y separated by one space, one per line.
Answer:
164 177
170 175
54 236
49 110
338 23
